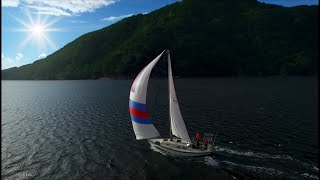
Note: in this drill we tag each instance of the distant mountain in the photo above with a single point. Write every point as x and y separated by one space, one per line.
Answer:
206 38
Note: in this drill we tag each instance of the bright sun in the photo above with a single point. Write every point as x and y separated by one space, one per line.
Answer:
38 31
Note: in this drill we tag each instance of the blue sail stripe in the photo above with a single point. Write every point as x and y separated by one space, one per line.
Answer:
138 106
141 120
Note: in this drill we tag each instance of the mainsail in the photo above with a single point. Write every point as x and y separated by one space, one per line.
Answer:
178 127
141 121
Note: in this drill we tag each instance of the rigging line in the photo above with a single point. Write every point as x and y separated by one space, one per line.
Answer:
157 93
159 74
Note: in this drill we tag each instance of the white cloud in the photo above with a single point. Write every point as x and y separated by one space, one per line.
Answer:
43 55
116 18
8 62
60 7
77 6
19 56
79 22
10 3
49 11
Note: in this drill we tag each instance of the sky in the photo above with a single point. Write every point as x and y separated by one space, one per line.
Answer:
34 29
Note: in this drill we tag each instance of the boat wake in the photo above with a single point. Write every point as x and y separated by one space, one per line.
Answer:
210 161
158 150
252 154
240 164
256 169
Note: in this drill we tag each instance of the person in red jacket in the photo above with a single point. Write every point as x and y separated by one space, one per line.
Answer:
198 136
205 141
198 139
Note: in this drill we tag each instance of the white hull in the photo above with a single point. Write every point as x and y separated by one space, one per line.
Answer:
178 148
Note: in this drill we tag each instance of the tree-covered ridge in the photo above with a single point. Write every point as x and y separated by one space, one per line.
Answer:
206 38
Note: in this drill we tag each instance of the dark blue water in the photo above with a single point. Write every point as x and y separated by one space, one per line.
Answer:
267 128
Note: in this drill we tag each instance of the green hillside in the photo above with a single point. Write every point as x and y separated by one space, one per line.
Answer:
206 38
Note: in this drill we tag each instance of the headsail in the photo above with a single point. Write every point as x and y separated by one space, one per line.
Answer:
178 127
141 121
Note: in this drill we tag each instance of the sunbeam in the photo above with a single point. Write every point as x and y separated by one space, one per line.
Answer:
39 29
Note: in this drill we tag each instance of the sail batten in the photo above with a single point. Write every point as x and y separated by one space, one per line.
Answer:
141 121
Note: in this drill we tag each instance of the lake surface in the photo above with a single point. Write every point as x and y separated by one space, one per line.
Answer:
267 128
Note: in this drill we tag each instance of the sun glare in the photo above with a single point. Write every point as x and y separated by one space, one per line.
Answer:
38 31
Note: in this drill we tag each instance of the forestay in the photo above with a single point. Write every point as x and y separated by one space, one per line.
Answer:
141 121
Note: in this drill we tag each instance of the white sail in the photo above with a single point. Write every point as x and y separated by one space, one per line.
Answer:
178 127
141 121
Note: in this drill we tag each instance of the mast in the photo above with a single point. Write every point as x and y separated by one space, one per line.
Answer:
169 67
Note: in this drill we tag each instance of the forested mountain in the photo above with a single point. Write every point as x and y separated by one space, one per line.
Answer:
206 38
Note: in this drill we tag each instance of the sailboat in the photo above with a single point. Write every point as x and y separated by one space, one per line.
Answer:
179 142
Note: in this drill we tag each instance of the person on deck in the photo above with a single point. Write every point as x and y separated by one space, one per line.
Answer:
198 139
205 141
